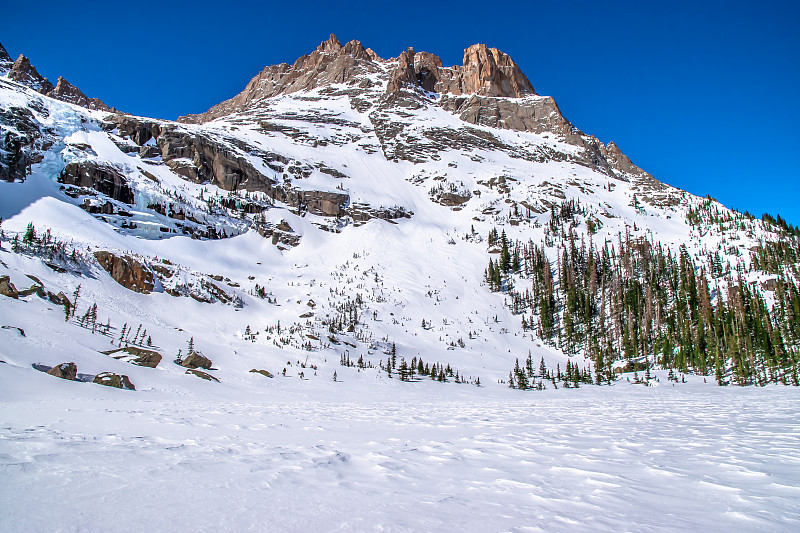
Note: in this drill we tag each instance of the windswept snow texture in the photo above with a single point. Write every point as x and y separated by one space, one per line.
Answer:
634 459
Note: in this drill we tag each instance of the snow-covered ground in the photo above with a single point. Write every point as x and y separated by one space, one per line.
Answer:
77 457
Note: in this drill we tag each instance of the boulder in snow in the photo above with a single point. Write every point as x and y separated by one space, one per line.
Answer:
109 379
64 371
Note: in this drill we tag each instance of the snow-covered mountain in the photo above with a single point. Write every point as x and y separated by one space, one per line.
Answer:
348 206
324 289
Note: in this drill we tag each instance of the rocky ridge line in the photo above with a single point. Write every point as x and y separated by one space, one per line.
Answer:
22 71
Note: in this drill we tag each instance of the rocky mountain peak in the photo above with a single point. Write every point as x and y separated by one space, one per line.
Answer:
23 72
485 71
66 92
331 46
329 63
490 72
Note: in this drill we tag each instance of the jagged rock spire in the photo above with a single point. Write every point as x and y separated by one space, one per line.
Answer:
485 72
23 72
331 46
66 92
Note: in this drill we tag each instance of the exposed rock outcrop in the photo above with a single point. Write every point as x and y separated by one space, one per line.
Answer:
403 75
136 356
64 371
66 92
23 72
202 375
18 143
490 72
201 158
196 360
485 71
126 271
7 288
59 299
109 379
140 130
102 178
361 213
282 235
536 115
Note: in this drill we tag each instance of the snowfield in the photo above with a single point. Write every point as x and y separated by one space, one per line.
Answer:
77 457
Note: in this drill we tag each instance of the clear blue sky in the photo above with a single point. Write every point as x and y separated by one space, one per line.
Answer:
703 95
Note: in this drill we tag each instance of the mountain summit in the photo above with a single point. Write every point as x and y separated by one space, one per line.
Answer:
485 71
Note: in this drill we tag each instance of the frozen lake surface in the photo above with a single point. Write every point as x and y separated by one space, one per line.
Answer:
596 459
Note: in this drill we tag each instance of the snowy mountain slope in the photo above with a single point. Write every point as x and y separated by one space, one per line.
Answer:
323 240
370 196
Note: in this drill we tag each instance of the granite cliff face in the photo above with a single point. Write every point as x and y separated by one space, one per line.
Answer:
487 89
485 71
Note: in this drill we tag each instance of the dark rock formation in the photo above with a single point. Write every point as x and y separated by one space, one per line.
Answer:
403 75
140 130
64 371
490 72
109 379
451 199
136 356
18 143
485 72
534 115
323 203
361 213
265 373
23 72
7 288
200 158
196 360
282 235
126 271
66 92
102 178
59 299
203 375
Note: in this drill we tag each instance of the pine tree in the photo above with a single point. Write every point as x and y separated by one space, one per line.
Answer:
75 296
30 234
